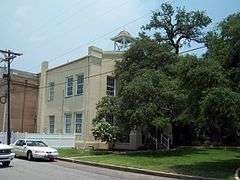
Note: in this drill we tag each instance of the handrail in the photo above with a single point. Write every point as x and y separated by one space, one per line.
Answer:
165 141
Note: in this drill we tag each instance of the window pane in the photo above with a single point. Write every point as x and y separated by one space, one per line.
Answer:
51 124
68 119
69 86
110 86
51 91
78 127
80 82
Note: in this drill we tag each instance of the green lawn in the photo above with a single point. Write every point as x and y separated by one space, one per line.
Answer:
77 152
217 163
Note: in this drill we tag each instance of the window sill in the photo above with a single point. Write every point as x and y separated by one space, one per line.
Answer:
78 94
68 96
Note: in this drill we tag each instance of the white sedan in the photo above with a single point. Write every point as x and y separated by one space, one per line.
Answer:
34 149
6 156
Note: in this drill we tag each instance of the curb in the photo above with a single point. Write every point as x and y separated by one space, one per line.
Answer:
136 170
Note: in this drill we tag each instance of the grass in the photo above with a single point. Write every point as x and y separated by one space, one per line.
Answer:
78 152
216 163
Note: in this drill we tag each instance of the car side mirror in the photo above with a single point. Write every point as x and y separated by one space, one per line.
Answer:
25 146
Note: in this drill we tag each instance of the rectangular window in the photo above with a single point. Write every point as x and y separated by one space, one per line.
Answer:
51 91
78 123
68 120
110 86
80 82
69 86
51 124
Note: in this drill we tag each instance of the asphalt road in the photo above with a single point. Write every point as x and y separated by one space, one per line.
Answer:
21 169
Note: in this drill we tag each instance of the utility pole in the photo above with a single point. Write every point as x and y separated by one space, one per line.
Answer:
8 58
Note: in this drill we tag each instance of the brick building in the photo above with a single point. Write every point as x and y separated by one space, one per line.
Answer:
24 94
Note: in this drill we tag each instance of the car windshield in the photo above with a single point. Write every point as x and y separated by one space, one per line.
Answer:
36 143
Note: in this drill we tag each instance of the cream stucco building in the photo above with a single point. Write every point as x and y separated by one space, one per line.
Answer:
68 94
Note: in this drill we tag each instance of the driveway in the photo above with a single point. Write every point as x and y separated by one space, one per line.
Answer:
21 169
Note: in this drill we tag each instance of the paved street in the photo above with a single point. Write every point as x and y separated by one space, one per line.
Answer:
24 170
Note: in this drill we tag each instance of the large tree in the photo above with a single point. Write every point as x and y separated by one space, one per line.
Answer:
177 26
156 86
146 96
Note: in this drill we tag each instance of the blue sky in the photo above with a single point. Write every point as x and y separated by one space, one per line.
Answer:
61 30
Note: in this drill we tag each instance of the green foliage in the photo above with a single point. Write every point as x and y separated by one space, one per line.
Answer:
200 74
103 129
143 54
157 87
177 26
220 109
152 98
223 46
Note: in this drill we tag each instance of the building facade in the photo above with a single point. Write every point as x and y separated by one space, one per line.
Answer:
68 94
24 96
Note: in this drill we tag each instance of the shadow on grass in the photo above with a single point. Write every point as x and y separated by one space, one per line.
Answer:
179 152
222 169
92 152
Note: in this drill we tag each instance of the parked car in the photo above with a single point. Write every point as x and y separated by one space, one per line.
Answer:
6 155
34 149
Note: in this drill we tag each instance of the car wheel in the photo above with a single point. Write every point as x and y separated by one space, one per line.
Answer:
6 163
29 155
51 159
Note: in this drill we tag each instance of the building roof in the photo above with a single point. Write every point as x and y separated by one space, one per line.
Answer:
105 53
19 73
70 62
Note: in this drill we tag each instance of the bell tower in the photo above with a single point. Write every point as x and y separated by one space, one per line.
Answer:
122 41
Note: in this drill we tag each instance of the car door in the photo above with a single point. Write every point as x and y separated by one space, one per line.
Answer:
22 148
17 149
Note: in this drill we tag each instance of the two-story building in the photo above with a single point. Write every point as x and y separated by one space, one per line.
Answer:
69 93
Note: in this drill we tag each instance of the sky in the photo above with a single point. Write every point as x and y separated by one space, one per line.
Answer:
60 31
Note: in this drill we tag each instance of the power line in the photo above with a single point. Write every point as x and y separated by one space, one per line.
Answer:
57 16
96 39
88 20
83 67
194 49
69 17
64 82
100 37
100 74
